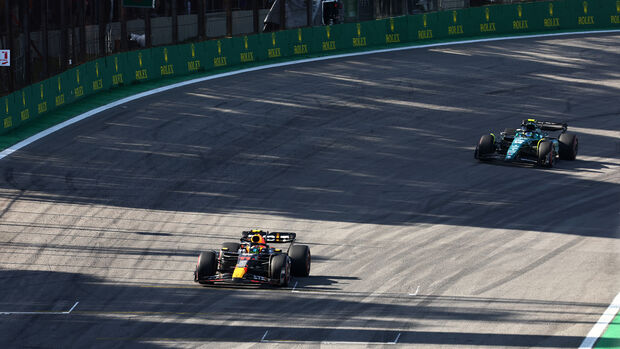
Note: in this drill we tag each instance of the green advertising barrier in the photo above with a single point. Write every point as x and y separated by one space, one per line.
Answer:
328 39
163 62
139 67
166 61
274 45
586 14
193 58
422 27
97 78
60 88
245 49
218 54
488 20
365 34
396 31
115 69
300 40
7 112
25 104
44 98
454 25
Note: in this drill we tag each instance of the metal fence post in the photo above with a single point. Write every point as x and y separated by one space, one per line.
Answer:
175 23
147 28
101 24
309 12
282 14
201 19
46 51
124 36
255 15
229 25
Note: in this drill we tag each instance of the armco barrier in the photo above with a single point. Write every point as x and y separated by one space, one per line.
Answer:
122 69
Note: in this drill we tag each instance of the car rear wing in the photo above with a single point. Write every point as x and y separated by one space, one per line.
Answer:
552 126
270 237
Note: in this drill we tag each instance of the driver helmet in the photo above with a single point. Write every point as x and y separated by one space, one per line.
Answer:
528 125
256 249
257 239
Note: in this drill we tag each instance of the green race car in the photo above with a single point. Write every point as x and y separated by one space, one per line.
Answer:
530 143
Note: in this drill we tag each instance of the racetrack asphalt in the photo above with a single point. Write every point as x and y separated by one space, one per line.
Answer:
370 160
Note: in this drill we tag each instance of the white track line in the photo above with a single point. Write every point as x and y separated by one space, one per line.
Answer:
264 336
601 324
10 150
40 312
294 287
416 291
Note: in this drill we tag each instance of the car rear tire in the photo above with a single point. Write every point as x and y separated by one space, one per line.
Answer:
301 260
277 264
207 265
231 246
546 155
569 145
485 147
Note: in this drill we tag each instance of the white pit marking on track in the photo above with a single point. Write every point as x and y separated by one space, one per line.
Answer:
10 150
264 336
602 323
294 287
416 291
40 312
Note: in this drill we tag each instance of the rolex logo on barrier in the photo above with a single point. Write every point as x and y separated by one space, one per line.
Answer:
246 56
425 33
585 19
520 23
329 44
194 64
615 19
118 77
220 60
141 74
97 84
166 69
300 48
273 52
551 22
392 37
42 107
78 91
359 41
455 29
25 114
487 27
60 99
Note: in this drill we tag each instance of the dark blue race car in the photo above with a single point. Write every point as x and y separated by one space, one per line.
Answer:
530 143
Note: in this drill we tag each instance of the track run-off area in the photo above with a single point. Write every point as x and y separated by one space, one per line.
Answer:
369 159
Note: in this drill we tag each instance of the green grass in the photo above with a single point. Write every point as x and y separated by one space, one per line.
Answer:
611 337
